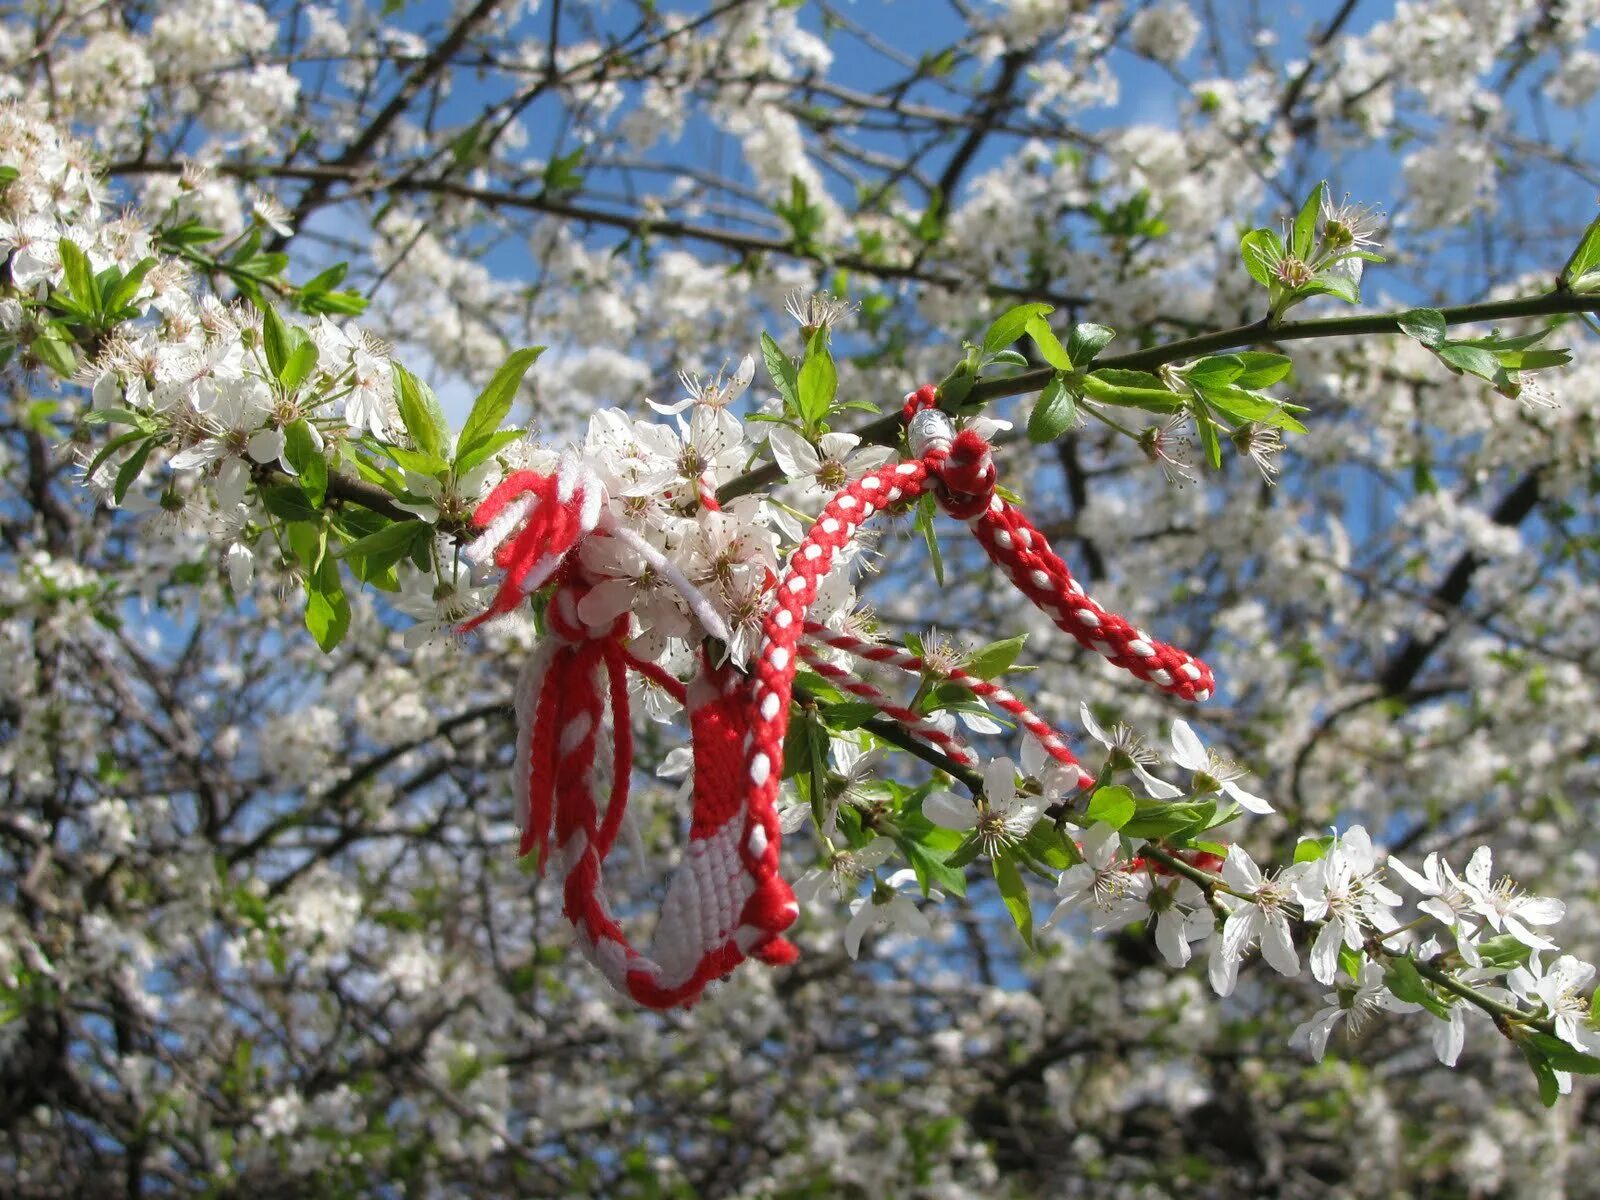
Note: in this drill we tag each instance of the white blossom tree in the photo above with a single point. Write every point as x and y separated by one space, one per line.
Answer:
295 299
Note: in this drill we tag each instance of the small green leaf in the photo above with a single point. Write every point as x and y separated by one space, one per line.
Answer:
389 544
1543 1072
1333 282
1310 849
310 467
1503 950
1010 325
1402 978
55 350
1086 341
302 361
1014 892
274 340
116 416
124 288
79 275
1473 360
1563 1057
993 660
1426 325
782 373
1008 358
130 469
327 607
926 508
1217 371
1114 805
1261 369
1262 251
932 870
1115 387
489 410
1050 347
1053 412
817 382
420 411
288 502
1155 819
1305 223
487 449
1247 406
1577 274
1210 442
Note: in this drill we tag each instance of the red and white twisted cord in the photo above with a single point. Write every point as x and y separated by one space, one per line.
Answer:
575 744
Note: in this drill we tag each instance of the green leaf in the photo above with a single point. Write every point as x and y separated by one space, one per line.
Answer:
1533 360
8 174
1473 360
1086 341
1010 325
1217 371
1333 282
1563 1057
1543 1072
111 447
302 361
993 660
1209 441
122 290
1262 369
79 275
300 448
54 349
818 381
1046 843
1310 849
190 233
116 416
1050 347
487 449
1503 950
1114 805
932 870
1014 892
389 544
1053 412
1426 325
1585 259
420 411
1262 250
561 173
326 281
1156 819
1008 358
926 507
287 501
489 410
274 340
130 469
1402 978
1247 406
412 460
1107 386
782 373
327 608
971 846
1305 223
